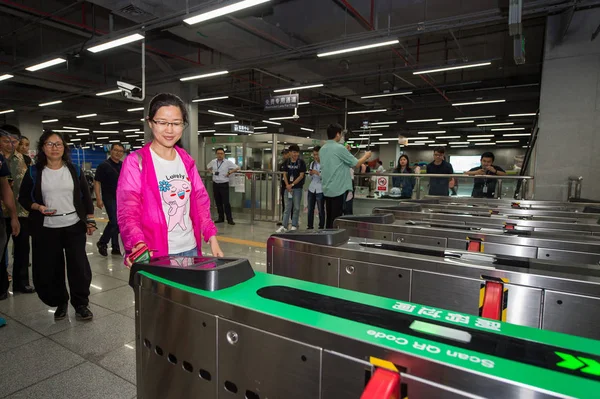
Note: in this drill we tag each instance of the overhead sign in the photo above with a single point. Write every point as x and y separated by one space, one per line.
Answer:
242 128
287 101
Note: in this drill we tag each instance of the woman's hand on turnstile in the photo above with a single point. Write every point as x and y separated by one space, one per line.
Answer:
215 249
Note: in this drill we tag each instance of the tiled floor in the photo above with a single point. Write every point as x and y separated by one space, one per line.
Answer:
41 358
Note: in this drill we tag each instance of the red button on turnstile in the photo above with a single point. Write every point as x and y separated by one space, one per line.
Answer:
474 246
384 384
492 302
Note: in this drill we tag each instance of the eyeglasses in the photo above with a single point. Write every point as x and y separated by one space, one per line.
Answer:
121 151
163 124
50 144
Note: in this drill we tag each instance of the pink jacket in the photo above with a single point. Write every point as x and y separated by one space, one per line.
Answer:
139 204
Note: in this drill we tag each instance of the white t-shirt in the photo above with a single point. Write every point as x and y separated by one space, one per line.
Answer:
57 191
221 167
175 190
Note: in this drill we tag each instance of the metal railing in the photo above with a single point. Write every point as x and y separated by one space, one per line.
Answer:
574 188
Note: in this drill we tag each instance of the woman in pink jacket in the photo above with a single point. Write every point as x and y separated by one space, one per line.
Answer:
161 200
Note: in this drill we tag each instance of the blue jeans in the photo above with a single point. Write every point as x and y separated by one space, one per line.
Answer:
191 252
294 202
111 231
319 199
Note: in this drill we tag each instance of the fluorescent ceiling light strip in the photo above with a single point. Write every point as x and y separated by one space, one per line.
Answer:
368 111
458 142
106 93
507 141
114 141
50 121
225 134
403 93
105 131
426 142
281 118
223 11
307 129
384 123
46 64
304 103
75 128
260 127
452 68
496 124
417 138
507 128
50 103
220 113
437 145
102 138
139 139
358 48
131 135
90 142
485 143
86 116
64 131
454 122
201 100
370 135
272 123
75 139
516 135
6 77
476 117
135 109
479 136
424 120
447 137
7 111
416 143
529 114
206 75
82 134
374 127
433 132
474 140
459 146
109 123
299 88
226 122
206 131
478 102
130 130
116 43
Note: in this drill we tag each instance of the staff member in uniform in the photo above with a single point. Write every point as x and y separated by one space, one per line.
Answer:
439 166
485 188
221 169
105 187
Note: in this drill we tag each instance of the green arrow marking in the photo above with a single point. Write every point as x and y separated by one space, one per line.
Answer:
569 361
593 367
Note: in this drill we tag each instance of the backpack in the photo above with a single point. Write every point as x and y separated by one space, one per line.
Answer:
33 173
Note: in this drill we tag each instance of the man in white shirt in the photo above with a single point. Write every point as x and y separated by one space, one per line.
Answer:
315 191
221 169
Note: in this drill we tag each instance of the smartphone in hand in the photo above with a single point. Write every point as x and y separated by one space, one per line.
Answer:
142 255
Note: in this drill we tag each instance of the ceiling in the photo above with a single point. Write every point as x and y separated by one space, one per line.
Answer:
274 45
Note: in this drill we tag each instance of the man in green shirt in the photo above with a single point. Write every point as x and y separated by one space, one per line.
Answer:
336 162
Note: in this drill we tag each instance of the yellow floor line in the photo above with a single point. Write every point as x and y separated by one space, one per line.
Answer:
242 242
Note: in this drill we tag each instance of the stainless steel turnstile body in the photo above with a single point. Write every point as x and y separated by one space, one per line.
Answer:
555 296
566 246
524 204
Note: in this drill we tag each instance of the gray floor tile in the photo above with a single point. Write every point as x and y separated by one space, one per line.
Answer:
20 304
98 337
15 334
129 312
118 299
103 282
34 362
119 272
83 381
44 323
121 362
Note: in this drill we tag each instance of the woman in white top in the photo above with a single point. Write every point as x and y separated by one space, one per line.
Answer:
61 212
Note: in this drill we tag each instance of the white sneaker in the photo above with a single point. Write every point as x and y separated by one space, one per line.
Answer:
293 228
281 230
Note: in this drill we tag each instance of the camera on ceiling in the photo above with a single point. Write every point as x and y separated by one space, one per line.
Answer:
130 91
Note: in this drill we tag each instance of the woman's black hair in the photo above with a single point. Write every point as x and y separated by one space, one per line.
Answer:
167 100
408 168
41 160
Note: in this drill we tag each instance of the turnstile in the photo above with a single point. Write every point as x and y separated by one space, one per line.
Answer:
415 212
552 295
522 204
211 328
563 246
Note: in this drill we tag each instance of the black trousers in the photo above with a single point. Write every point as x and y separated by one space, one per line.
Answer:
3 272
20 253
221 192
334 207
50 248
111 231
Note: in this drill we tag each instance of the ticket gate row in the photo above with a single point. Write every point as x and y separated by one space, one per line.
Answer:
415 212
212 328
515 204
552 295
563 246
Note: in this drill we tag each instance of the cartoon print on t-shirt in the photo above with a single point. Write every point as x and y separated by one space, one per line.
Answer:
175 192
